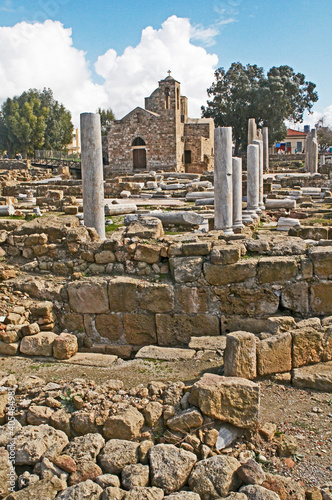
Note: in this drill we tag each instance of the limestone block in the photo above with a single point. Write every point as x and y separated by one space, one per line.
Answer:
105 257
229 399
135 475
295 297
156 298
31 329
185 420
85 448
38 415
65 346
46 489
116 454
177 329
122 293
243 301
88 297
276 269
274 354
87 490
191 300
32 441
165 353
145 228
320 298
215 477
109 326
140 329
147 253
307 346
257 492
322 261
73 322
284 487
152 413
38 345
240 355
126 424
233 273
327 345
197 248
225 255
316 377
9 349
186 269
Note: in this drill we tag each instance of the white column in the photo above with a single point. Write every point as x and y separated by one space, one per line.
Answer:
252 130
253 180
265 149
237 192
261 187
92 172
223 190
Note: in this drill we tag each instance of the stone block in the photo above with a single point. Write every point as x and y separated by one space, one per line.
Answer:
145 228
274 355
164 353
225 255
41 309
191 300
122 294
327 345
243 301
295 297
104 257
156 298
240 355
320 298
140 329
197 248
322 261
177 329
126 424
65 346
73 322
109 326
317 377
307 346
233 273
147 253
9 349
88 297
38 345
186 269
229 399
276 269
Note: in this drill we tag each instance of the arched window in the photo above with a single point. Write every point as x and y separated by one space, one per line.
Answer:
167 98
138 142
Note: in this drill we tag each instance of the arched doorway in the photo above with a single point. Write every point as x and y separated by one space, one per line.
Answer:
139 153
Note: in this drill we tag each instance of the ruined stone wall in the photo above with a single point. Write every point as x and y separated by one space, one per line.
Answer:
199 139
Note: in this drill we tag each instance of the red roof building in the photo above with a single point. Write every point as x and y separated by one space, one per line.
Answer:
293 143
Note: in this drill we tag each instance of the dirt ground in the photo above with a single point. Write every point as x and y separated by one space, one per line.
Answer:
304 414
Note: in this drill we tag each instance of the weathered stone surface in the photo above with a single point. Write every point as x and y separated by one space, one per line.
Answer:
232 400
251 472
65 346
147 253
208 343
157 298
5 471
173 393
113 493
31 329
118 453
135 475
183 495
140 329
139 493
286 445
146 228
225 255
215 477
85 448
37 415
106 480
285 488
186 269
32 441
65 463
152 413
83 422
126 424
307 346
38 345
327 345
88 297
234 273
122 294
84 471
191 300
256 492
177 329
322 260
170 467
60 419
185 420
320 298
240 355
104 257
109 326
47 489
244 301
276 269
87 490
295 297
274 354
317 377
164 353
9 349
8 431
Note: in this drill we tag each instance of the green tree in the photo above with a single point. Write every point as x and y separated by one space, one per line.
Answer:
324 135
244 92
59 127
106 118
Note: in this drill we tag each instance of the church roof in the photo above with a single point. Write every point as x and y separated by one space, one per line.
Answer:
140 110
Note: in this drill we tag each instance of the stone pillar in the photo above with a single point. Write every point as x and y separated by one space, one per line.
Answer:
260 145
253 180
223 199
314 152
237 192
92 172
308 144
266 149
252 130
322 160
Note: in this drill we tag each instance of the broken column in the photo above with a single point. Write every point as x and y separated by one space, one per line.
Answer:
266 149
92 172
314 152
260 191
237 192
252 130
253 180
223 189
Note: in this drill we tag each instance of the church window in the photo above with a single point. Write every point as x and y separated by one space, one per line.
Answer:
167 98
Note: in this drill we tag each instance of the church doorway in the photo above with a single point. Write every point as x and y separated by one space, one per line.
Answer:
139 153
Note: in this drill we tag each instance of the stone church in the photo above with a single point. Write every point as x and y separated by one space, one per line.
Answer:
161 136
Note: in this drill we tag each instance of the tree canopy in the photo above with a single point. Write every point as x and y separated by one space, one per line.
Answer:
34 120
106 118
244 92
324 135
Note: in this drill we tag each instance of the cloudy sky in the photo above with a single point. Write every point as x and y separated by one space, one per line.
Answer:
112 54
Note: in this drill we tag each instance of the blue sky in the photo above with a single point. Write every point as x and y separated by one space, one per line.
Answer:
262 32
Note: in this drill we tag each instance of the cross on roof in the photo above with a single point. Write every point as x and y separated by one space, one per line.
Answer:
169 72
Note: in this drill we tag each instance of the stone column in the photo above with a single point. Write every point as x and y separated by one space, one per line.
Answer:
252 130
261 187
314 152
322 160
308 144
266 149
92 172
237 192
223 199
253 180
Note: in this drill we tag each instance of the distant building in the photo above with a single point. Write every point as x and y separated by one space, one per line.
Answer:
293 143
75 146
161 136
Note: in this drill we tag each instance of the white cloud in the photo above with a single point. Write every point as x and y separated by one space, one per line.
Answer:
313 118
134 75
